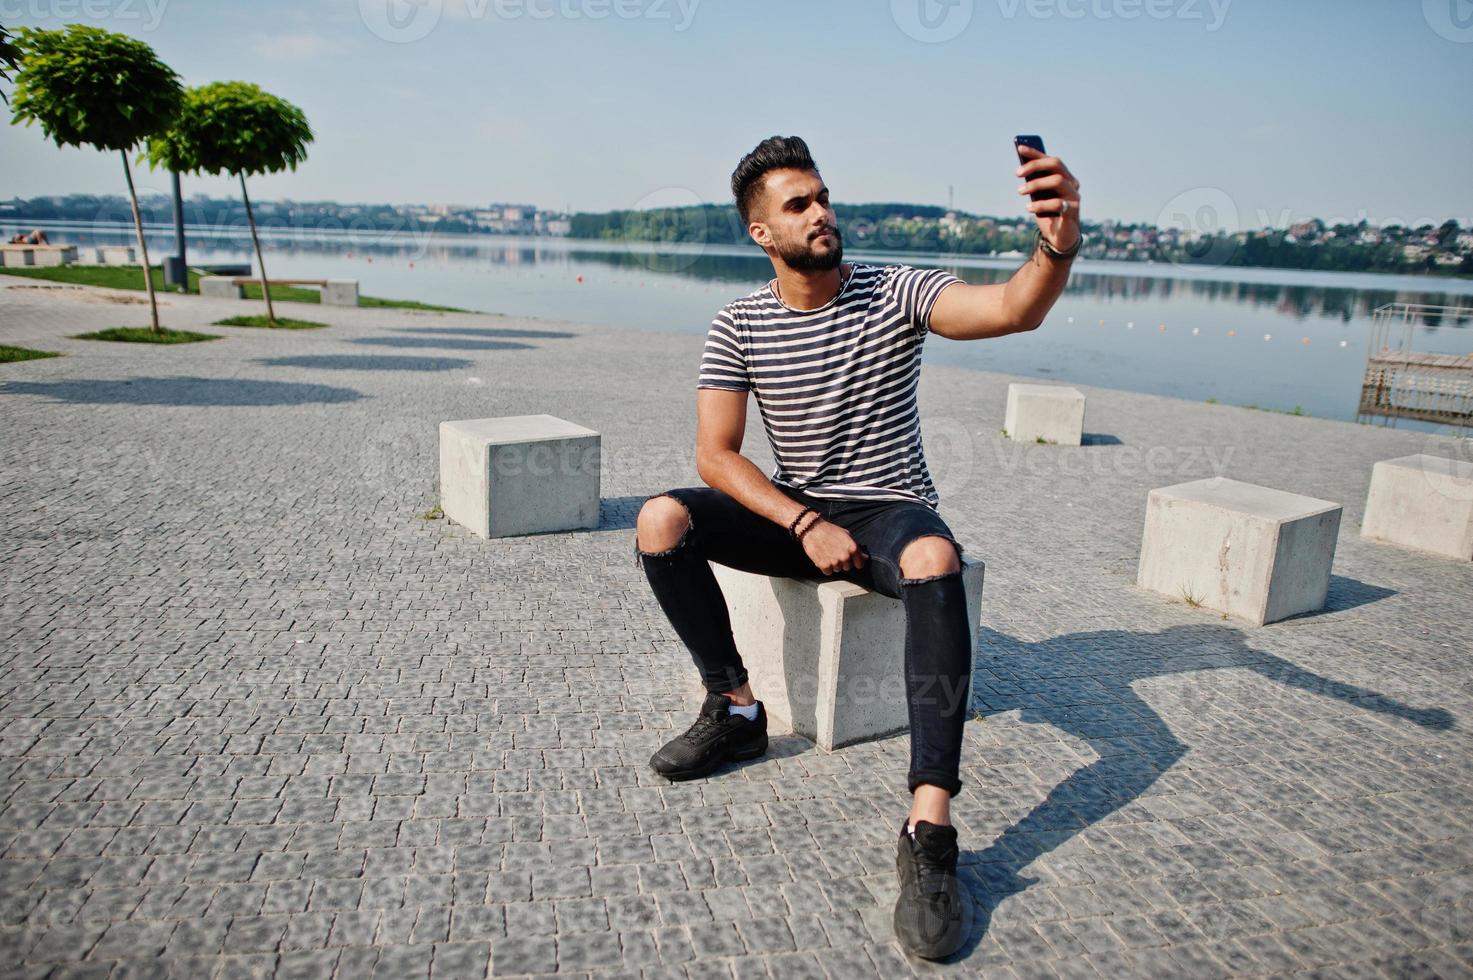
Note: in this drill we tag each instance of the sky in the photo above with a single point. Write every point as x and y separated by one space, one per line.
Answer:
1235 113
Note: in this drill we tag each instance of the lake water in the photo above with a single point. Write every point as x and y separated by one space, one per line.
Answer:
1277 339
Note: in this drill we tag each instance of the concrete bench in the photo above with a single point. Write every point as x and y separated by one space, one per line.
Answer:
19 256
1252 552
827 658
1053 413
335 292
1423 502
523 474
115 255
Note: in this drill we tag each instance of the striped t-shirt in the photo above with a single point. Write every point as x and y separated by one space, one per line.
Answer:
836 386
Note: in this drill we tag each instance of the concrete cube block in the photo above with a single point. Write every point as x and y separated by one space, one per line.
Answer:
1252 552
340 292
55 255
17 258
1054 413
522 474
116 255
220 287
1423 502
827 658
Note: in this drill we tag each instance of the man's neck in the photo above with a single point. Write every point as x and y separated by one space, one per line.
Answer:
803 290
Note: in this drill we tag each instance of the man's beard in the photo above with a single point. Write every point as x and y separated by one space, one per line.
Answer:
804 258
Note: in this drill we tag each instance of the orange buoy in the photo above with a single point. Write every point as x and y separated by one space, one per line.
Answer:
580 279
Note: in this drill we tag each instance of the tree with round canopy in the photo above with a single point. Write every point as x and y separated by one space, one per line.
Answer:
234 128
89 87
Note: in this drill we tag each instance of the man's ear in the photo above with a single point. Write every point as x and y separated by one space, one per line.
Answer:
760 234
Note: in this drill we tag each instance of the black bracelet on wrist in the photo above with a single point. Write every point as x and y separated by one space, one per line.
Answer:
792 528
1042 244
809 526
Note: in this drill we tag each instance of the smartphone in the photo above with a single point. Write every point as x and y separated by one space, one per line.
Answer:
1037 143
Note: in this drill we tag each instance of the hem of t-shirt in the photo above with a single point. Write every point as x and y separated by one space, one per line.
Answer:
721 387
875 493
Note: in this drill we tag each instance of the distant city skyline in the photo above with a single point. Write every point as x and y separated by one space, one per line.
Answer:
1202 114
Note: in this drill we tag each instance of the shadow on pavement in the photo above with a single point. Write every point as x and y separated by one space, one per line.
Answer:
231 392
367 362
490 332
1081 685
449 343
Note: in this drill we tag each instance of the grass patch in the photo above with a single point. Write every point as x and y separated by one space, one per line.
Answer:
131 277
1296 410
146 335
8 354
408 304
1043 442
282 323
433 514
1195 601
111 276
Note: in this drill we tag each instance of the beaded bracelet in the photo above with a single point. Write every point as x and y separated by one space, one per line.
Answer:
809 526
793 526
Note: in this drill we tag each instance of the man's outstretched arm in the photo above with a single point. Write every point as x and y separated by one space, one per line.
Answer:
966 312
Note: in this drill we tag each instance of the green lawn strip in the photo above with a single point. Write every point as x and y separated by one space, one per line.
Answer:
408 304
8 354
131 277
145 335
282 323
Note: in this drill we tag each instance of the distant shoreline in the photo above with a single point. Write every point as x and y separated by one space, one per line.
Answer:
398 241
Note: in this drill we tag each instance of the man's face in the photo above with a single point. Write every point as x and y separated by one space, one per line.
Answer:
798 223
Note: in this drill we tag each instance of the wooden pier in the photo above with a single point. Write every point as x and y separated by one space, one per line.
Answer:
1401 383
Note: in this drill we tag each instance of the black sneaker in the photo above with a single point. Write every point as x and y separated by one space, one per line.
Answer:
716 736
933 915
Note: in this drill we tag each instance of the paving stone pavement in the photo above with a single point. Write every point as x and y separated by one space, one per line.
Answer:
260 717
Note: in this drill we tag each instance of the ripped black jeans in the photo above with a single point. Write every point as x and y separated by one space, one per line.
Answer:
938 636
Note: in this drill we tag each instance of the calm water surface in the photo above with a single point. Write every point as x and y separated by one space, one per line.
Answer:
1277 339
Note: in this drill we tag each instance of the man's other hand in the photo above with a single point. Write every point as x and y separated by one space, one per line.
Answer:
831 548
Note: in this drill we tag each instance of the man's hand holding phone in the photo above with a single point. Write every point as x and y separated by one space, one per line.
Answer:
1053 192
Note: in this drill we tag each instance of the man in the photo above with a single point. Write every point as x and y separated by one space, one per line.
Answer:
831 350
36 237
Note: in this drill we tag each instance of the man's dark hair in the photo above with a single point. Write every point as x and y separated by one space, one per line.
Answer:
773 153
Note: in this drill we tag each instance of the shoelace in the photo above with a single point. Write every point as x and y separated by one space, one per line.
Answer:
703 724
931 875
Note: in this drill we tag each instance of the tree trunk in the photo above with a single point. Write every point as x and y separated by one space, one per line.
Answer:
153 305
260 261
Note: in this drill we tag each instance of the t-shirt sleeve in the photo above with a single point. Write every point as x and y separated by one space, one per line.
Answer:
916 291
723 365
